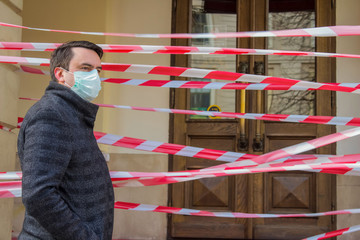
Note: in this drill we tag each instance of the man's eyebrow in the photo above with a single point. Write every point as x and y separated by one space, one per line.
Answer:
89 65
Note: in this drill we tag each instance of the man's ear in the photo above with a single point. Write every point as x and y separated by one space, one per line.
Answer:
59 74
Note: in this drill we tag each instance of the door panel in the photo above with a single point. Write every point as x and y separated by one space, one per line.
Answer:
278 192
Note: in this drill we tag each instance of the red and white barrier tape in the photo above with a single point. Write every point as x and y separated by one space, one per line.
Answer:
335 233
214 85
150 49
13 189
139 179
296 160
329 120
25 60
197 84
220 155
222 75
5 128
194 212
246 159
10 175
20 120
169 148
188 151
10 189
192 72
32 70
294 149
330 31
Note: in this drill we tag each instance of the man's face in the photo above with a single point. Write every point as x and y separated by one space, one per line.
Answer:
84 60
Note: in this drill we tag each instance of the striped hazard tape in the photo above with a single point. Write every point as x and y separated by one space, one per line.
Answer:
328 120
194 212
330 31
149 49
192 72
197 84
335 233
236 159
345 164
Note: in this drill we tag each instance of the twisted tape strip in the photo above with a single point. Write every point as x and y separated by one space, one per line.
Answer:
191 72
298 161
330 31
193 212
290 161
278 155
10 189
219 85
139 179
13 189
329 120
151 49
169 148
197 84
237 159
339 232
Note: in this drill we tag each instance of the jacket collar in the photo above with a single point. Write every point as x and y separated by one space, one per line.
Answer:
84 108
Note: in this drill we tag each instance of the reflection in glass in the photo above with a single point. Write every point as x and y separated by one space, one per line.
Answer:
294 67
206 22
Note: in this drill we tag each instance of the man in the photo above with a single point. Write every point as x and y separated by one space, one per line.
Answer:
67 190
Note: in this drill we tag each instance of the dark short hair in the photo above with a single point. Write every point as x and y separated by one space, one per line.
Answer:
62 55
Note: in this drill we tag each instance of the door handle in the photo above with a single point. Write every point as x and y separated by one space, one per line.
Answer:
259 68
243 143
258 143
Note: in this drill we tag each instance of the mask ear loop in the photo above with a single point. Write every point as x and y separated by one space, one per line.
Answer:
67 72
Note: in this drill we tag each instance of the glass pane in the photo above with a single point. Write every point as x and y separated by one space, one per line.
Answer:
206 19
294 67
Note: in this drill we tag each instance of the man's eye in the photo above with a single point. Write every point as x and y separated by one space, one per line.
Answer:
99 71
85 68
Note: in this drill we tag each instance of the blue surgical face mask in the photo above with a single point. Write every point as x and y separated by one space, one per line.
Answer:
87 84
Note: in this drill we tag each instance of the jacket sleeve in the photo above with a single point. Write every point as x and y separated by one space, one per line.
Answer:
46 154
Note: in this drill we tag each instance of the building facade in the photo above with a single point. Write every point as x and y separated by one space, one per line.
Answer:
267 193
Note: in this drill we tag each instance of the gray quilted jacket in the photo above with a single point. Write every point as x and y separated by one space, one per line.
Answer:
67 190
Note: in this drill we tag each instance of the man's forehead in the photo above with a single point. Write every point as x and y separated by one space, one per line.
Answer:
85 55
83 51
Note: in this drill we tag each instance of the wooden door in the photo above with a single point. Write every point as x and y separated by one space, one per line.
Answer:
287 192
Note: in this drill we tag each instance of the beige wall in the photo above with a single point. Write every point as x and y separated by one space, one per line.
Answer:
136 17
348 188
141 16
113 16
10 11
